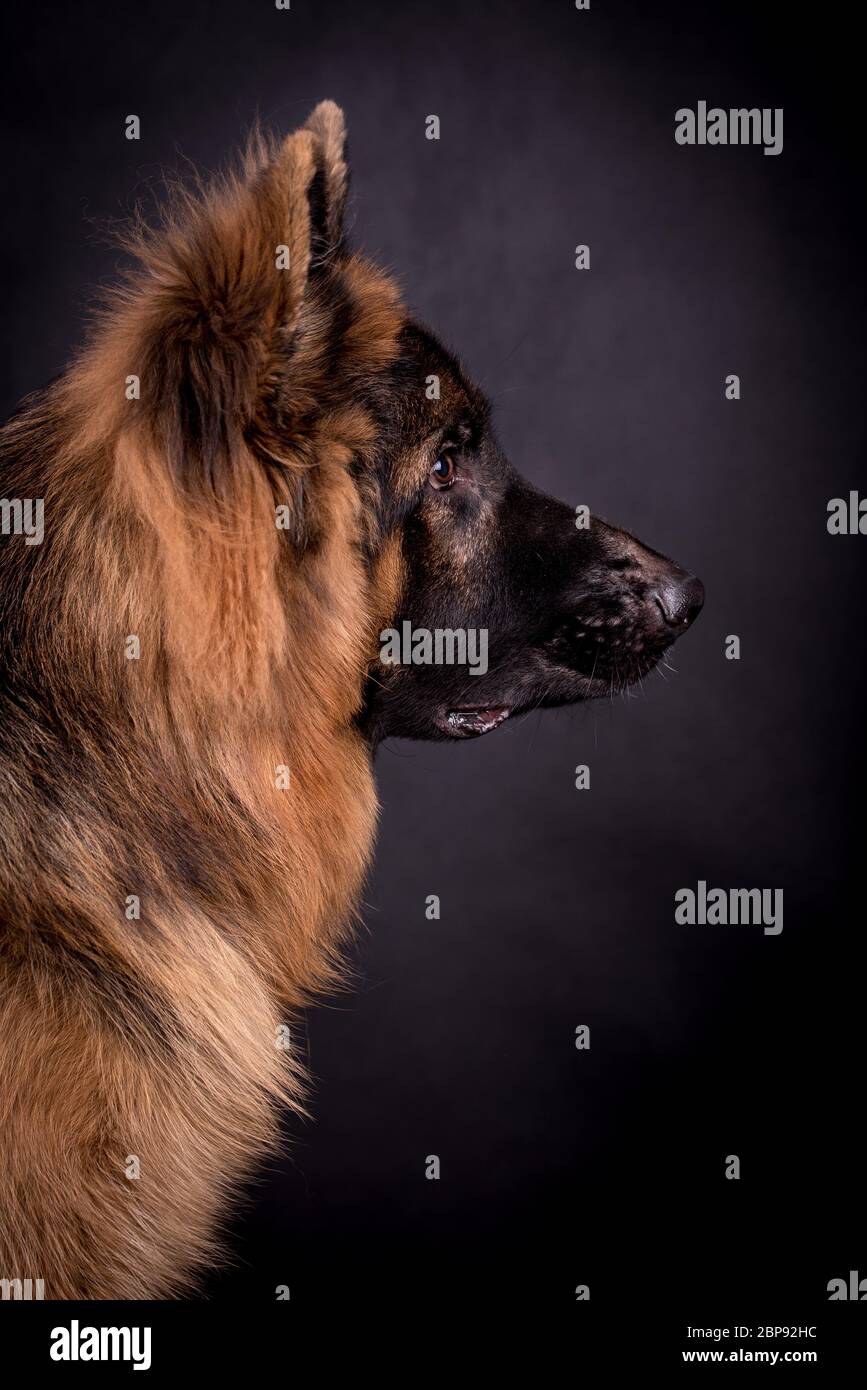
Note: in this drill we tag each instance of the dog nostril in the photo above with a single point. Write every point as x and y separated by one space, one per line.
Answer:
657 599
680 601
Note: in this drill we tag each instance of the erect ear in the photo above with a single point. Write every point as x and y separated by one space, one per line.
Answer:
331 184
219 297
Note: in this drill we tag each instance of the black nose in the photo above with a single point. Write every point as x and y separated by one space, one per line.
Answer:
680 599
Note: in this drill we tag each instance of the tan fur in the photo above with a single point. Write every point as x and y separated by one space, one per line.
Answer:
156 777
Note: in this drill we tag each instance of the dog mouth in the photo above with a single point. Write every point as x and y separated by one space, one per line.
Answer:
472 723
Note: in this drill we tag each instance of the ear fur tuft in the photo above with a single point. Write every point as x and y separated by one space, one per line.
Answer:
328 126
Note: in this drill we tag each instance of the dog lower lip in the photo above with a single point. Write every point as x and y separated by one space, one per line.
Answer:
472 723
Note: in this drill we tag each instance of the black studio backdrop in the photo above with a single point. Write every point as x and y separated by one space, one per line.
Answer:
560 1167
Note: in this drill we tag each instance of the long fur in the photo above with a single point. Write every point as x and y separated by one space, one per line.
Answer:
158 777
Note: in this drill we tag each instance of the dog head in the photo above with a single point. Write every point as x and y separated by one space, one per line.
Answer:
499 598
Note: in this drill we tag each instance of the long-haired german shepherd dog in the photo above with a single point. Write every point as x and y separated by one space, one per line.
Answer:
247 476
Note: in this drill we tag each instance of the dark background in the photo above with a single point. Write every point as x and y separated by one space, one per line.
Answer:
561 1167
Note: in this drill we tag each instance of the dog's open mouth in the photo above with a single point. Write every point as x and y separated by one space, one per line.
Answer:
471 723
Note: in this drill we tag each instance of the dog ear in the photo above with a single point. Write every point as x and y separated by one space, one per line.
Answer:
219 296
331 184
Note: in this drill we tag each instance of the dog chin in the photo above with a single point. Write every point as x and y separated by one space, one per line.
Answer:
471 721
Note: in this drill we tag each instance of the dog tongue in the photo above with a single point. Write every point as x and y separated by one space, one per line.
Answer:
469 723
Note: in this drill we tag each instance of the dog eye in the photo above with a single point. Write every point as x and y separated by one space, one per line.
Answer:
444 472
